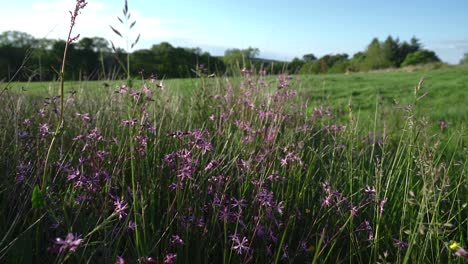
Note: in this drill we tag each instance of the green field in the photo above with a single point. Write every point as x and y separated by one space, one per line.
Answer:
324 169
444 91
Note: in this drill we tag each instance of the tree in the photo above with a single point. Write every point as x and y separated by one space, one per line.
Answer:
311 67
233 56
375 57
390 49
465 59
309 57
415 44
16 39
295 65
357 61
420 57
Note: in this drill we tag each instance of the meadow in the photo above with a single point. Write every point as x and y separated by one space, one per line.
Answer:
358 168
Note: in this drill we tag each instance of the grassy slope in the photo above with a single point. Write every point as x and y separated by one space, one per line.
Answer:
445 100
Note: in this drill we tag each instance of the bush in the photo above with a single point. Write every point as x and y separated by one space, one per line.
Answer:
420 57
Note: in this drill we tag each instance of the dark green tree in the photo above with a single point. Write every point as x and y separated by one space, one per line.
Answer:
295 65
309 57
390 49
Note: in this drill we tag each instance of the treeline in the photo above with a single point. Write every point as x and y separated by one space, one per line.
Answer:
390 53
25 58
93 59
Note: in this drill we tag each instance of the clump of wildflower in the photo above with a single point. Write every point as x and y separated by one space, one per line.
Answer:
246 71
283 81
69 243
334 128
85 117
289 158
321 111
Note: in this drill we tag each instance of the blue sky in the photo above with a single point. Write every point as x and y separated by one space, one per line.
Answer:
280 29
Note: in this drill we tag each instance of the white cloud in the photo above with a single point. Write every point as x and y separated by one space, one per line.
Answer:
51 19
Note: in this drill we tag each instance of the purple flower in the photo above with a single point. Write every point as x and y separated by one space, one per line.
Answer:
130 122
74 175
334 128
131 225
242 164
70 243
240 246
119 207
289 158
271 235
442 124
120 260
176 240
401 245
185 172
285 254
95 134
27 122
44 129
283 81
279 207
239 204
211 165
369 190
381 205
246 71
321 111
42 112
224 214
368 228
22 171
327 201
169 259
264 197
147 260
84 117
354 210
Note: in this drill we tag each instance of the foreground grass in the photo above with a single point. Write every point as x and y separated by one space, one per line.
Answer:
252 169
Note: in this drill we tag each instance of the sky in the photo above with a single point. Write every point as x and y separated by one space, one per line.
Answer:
281 30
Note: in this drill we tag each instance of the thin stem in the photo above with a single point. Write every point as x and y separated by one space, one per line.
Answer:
79 5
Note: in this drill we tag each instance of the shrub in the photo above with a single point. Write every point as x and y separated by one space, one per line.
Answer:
420 57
